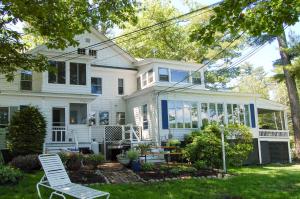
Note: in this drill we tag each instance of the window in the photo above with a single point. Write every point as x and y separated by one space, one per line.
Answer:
26 80
81 51
212 112
150 76
271 119
238 114
163 74
220 112
121 86
145 117
4 117
138 81
183 114
58 117
104 118
77 74
179 76
96 84
57 74
196 77
93 53
120 118
78 113
144 79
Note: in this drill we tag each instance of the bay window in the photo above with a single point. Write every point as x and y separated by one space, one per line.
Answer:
179 76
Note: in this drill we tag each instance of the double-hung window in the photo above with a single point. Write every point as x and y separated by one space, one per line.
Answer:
163 74
26 80
121 86
57 73
179 76
4 117
145 117
120 118
77 74
92 53
196 77
96 84
78 113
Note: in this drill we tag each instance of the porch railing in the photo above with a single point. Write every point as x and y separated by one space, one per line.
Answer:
273 133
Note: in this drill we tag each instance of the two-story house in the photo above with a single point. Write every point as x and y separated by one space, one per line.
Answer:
100 93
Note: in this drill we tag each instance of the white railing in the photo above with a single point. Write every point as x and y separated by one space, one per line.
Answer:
273 133
113 133
58 134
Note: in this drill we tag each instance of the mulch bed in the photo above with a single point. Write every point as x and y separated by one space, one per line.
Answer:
86 177
158 174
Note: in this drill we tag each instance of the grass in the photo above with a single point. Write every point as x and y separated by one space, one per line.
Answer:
251 182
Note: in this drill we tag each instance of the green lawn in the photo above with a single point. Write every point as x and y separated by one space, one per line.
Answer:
251 182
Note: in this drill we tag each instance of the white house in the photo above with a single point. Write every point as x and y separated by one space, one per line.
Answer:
101 93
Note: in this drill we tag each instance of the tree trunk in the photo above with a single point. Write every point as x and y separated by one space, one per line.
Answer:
292 91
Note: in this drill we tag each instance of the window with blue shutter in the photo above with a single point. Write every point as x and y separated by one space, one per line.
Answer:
164 114
252 110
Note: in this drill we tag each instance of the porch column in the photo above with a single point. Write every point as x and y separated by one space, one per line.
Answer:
259 151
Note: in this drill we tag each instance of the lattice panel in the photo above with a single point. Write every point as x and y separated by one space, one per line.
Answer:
113 133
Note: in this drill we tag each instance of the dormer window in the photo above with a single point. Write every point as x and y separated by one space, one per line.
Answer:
179 76
163 74
81 51
92 53
196 77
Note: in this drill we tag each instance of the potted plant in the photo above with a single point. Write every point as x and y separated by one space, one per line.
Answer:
133 157
123 159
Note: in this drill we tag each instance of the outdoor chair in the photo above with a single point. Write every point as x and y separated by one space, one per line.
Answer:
57 179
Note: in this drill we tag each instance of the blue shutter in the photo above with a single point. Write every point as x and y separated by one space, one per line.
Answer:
252 111
164 114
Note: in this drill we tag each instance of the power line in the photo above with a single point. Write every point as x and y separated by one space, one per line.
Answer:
210 60
144 28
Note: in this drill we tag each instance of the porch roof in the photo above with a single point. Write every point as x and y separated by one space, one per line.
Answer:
269 104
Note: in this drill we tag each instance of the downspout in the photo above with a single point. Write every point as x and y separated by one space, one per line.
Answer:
158 126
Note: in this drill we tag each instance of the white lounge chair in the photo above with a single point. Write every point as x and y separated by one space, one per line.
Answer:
57 179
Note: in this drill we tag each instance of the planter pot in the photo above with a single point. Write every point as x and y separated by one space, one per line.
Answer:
136 166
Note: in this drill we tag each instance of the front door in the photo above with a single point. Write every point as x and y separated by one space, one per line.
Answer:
58 125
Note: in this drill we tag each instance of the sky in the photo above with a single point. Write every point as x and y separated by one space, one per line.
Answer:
265 56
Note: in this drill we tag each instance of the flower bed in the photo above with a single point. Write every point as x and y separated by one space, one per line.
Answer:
86 176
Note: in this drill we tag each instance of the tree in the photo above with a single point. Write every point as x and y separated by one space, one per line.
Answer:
171 40
27 131
259 82
57 22
258 18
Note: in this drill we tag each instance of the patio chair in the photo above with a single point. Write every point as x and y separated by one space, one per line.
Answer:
57 179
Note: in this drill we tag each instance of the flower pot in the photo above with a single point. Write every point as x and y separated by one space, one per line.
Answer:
136 166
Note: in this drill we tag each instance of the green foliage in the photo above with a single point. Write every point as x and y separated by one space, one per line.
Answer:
143 148
132 155
182 169
173 142
57 23
93 159
147 166
172 41
9 175
256 18
200 164
27 163
27 131
206 146
64 156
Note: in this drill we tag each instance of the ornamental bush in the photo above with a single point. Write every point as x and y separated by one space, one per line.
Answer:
9 175
93 159
27 131
206 146
27 163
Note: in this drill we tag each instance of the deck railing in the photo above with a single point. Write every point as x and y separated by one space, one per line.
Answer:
273 133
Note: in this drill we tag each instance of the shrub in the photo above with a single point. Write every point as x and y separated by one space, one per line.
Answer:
148 166
74 161
64 157
143 148
173 142
27 131
93 159
200 164
207 146
9 175
175 171
26 163
132 155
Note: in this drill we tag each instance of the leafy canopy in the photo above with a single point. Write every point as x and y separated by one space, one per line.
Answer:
57 22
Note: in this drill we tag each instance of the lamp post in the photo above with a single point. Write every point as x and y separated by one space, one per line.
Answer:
223 148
